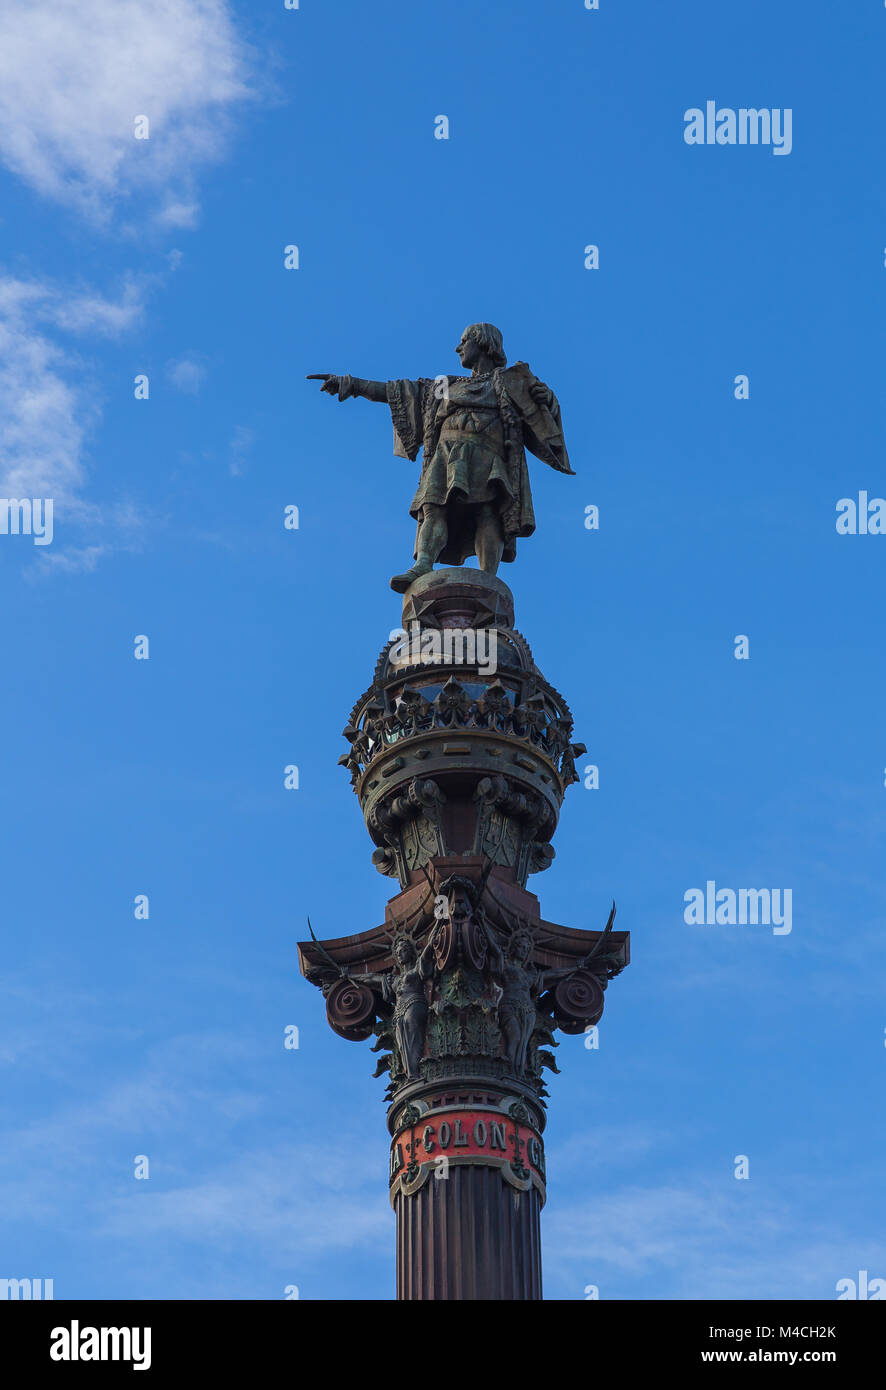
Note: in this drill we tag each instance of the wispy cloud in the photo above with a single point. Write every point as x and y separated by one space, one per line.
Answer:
185 1106
74 78
240 446
46 408
187 374
284 1198
79 84
82 560
698 1239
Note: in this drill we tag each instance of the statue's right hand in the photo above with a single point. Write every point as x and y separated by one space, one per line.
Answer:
330 383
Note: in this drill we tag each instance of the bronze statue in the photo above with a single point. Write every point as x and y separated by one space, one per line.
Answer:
517 1012
460 773
521 986
473 497
404 987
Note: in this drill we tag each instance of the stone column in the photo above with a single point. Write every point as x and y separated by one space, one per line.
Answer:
460 755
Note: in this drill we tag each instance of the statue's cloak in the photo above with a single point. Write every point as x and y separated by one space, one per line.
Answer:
461 471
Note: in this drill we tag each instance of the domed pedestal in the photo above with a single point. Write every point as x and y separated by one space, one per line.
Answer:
458 596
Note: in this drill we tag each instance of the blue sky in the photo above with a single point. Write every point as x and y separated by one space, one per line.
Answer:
118 257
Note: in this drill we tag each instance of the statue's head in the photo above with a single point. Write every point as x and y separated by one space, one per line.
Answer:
520 946
481 339
462 895
404 951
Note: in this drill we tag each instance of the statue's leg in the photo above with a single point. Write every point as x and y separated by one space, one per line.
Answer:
414 1038
404 1043
526 1037
490 538
510 1027
432 536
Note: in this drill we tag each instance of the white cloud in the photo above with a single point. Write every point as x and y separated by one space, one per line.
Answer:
44 417
210 1186
74 561
74 80
241 444
698 1239
74 77
90 312
285 1197
187 375
45 407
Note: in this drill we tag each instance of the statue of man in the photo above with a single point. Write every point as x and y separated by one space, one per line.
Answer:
473 497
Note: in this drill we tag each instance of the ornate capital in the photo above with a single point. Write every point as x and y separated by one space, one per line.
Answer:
461 772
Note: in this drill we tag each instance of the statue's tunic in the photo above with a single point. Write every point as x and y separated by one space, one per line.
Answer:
475 431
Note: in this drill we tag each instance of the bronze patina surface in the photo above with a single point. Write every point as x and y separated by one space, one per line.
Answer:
473 497
460 753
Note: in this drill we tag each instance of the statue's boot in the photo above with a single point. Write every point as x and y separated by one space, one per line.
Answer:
401 582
